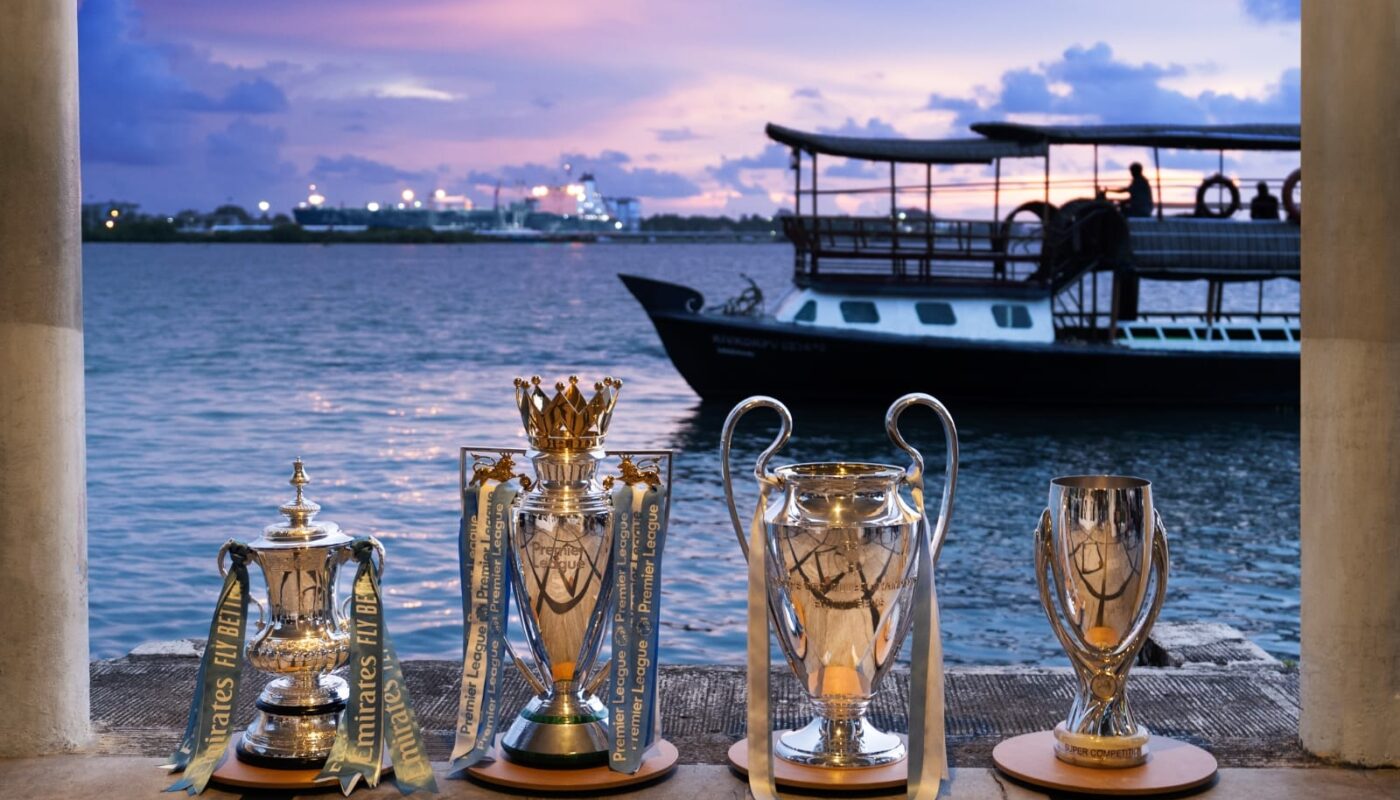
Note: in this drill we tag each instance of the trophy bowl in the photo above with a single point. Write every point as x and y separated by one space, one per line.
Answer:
1100 547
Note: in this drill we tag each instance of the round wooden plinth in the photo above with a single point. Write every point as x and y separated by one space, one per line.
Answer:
233 772
825 779
1172 766
660 760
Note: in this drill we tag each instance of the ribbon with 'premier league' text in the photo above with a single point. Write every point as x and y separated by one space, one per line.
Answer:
639 537
210 721
378 698
483 542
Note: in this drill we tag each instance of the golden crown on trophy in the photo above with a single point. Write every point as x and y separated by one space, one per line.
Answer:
566 421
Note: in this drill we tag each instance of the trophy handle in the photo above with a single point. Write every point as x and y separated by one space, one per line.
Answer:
345 555
1044 561
914 475
760 468
223 573
1137 635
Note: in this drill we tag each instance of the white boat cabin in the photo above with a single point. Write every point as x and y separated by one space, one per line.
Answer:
994 319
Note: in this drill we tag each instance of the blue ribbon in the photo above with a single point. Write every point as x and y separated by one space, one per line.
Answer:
483 546
639 538
210 723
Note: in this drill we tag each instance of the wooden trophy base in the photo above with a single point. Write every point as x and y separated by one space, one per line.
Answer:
1172 766
235 773
830 780
659 761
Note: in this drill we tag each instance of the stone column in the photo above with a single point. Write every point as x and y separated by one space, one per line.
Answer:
43 494
1351 382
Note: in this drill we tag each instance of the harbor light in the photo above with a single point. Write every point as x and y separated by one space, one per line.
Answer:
618 225
407 195
372 206
440 193
115 213
111 224
540 191
417 203
263 206
316 200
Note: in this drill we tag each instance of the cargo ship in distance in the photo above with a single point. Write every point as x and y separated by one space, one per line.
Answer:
1040 306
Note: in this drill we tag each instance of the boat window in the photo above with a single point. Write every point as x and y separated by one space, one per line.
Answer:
1297 334
1176 333
1146 333
1203 333
1273 334
807 313
1240 334
1217 335
1011 316
1122 333
935 313
859 311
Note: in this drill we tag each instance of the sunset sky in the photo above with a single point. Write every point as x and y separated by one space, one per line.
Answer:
193 104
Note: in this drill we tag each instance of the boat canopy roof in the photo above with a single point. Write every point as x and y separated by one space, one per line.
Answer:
908 151
1191 137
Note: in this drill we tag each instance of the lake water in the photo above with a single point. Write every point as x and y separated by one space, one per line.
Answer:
210 367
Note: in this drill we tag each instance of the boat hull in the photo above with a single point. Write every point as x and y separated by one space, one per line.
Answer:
728 358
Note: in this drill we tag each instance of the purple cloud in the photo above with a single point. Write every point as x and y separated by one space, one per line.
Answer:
676 135
1101 88
1274 10
614 171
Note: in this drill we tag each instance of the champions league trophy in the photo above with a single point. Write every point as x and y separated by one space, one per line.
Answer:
1101 539
578 551
843 567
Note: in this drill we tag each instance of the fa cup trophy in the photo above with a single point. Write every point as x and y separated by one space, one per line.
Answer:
1102 541
843 566
298 736
581 553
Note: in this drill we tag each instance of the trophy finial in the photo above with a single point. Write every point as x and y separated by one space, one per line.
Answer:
300 511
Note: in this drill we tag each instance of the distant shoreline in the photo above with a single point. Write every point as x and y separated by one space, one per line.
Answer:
292 234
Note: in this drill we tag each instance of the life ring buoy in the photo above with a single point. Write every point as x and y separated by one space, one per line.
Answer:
1290 185
1045 212
1204 210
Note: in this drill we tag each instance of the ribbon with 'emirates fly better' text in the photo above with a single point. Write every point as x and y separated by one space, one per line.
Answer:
210 723
379 712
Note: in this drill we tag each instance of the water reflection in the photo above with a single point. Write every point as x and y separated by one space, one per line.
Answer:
205 377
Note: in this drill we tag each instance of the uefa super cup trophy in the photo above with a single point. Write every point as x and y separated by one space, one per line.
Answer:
559 538
305 639
843 556
1098 547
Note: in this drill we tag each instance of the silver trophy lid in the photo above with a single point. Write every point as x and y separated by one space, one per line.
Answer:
300 526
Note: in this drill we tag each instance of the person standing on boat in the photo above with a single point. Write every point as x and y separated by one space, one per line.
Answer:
1264 205
1139 192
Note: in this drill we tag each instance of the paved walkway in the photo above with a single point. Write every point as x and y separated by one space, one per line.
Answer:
1245 712
124 777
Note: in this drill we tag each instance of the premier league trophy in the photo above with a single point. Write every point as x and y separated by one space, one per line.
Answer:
298 737
843 567
1103 543
581 553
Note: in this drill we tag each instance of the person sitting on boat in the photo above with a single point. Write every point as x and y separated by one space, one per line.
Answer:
1139 192
1264 205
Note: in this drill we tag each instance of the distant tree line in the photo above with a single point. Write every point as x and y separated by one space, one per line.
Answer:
115 221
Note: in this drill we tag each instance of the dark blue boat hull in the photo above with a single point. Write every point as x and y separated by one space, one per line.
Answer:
728 358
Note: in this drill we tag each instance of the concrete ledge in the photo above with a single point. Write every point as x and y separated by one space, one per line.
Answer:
121 778
1247 718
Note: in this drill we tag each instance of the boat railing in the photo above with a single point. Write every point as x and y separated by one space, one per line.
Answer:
913 248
